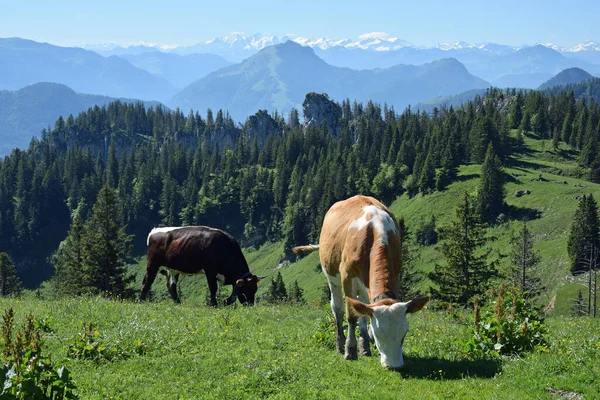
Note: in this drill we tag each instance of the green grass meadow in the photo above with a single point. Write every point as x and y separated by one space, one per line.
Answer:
189 351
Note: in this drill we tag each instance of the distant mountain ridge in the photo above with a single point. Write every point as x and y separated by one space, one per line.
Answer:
566 77
502 65
25 62
372 41
25 112
278 77
179 70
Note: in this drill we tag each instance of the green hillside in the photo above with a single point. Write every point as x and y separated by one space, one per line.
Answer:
552 198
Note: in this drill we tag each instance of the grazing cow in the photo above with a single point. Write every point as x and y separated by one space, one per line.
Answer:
195 250
360 253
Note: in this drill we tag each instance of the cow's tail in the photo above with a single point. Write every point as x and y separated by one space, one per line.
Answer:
305 249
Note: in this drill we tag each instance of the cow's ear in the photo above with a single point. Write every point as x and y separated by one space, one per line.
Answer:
240 282
416 304
359 307
259 278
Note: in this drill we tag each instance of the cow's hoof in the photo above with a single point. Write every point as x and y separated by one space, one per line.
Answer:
351 354
364 348
341 344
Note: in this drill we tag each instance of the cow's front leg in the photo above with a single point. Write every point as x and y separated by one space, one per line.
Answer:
172 278
151 271
364 347
212 287
350 352
231 299
337 307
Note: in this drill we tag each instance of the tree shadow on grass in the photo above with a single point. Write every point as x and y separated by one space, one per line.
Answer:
438 368
467 177
522 213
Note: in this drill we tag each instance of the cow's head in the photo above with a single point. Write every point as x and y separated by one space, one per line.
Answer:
246 287
388 326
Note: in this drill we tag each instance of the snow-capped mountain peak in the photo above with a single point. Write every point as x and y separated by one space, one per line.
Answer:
454 45
588 45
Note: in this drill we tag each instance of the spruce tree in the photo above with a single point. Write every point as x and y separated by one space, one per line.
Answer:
585 233
10 284
70 272
106 245
276 292
409 279
467 271
524 261
296 294
491 191
282 294
579 308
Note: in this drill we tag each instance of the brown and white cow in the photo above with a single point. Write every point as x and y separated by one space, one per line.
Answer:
195 250
360 253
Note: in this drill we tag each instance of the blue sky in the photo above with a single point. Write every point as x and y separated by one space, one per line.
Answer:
422 22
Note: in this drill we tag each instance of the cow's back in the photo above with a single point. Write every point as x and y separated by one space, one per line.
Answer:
356 233
193 248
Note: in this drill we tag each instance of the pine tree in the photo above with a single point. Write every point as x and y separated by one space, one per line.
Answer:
10 284
427 178
516 111
70 272
296 294
409 279
106 246
579 308
282 294
524 261
467 272
491 191
276 292
585 233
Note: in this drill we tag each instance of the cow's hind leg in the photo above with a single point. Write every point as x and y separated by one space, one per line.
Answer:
212 287
337 306
151 271
172 278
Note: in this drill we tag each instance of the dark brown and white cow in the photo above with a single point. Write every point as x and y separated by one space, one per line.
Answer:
360 253
195 250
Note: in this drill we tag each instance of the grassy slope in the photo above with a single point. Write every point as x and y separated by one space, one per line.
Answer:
554 199
194 352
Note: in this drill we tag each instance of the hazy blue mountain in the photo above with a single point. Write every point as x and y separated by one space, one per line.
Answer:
278 77
455 101
528 67
566 77
25 62
25 112
179 70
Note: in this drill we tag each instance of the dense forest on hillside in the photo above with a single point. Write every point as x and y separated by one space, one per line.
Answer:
175 169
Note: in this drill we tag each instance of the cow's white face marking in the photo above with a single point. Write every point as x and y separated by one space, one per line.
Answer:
381 221
159 230
221 278
388 328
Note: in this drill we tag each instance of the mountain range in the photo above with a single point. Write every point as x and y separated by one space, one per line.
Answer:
25 112
25 62
279 76
501 65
